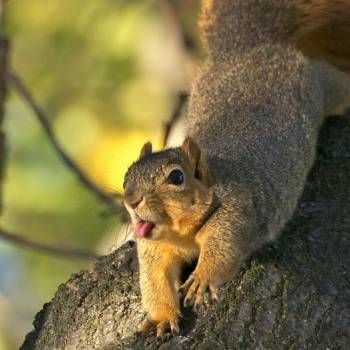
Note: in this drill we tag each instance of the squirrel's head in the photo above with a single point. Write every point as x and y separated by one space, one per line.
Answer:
168 193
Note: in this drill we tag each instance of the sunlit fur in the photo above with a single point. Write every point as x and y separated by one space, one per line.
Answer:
179 212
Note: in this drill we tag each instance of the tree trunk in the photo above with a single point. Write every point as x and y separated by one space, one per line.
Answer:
293 294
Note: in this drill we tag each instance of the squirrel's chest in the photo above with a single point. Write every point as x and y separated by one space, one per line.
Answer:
184 249
188 251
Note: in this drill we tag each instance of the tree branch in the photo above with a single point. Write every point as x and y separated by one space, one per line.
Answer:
4 47
18 85
66 252
182 98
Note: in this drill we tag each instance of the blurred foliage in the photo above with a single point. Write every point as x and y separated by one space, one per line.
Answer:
106 73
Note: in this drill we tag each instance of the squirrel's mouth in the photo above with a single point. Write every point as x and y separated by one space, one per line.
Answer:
143 228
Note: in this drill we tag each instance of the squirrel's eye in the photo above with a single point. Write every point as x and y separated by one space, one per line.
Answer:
176 177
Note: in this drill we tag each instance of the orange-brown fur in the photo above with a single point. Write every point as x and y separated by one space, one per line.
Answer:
324 31
175 240
319 28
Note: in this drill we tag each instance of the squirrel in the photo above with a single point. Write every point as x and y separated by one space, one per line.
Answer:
275 70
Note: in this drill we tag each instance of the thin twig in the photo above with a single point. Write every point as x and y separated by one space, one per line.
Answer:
4 53
175 115
66 252
24 92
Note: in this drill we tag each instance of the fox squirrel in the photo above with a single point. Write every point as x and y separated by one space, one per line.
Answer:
275 70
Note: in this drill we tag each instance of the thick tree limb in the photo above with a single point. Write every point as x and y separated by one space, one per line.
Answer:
18 85
294 294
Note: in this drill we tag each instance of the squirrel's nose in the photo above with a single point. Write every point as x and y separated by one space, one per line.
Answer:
134 201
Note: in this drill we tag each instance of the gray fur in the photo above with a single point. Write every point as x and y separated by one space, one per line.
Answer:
255 111
257 116
236 26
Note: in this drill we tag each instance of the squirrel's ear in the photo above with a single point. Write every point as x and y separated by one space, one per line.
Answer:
146 149
197 160
192 151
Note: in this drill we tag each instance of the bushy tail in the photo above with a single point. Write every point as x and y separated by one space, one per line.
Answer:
324 31
320 28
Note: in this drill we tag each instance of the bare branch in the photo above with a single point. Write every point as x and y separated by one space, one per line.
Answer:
175 115
63 252
24 92
4 48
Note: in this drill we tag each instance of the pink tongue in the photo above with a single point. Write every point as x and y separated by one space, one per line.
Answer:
143 228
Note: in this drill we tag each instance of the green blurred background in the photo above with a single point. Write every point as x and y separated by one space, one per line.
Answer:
106 72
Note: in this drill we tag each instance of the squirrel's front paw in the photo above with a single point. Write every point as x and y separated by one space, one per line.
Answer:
194 290
162 327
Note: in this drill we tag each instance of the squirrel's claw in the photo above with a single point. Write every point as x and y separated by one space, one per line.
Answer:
190 287
161 327
194 290
145 328
213 294
164 326
174 327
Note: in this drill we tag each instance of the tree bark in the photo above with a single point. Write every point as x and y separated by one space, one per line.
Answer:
293 294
